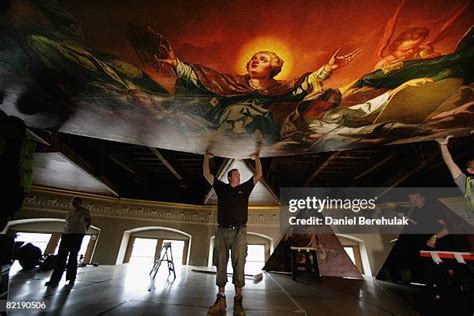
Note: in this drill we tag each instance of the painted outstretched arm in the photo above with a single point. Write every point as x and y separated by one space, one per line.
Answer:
183 70
206 169
336 61
167 55
312 83
186 72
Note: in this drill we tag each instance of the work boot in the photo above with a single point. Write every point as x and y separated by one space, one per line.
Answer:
219 306
238 307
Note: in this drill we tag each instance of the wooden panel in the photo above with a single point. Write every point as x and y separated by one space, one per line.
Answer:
56 171
332 258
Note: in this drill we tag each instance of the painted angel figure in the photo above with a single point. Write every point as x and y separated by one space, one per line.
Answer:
408 45
241 103
412 43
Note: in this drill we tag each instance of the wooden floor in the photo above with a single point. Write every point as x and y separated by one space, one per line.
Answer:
123 290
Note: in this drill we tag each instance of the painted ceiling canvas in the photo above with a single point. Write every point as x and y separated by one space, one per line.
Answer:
232 77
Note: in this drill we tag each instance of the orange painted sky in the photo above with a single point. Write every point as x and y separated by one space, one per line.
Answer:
214 33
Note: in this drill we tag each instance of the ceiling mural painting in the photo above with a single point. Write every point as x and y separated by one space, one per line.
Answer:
286 77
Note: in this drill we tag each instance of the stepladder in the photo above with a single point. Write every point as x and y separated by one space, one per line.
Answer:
166 256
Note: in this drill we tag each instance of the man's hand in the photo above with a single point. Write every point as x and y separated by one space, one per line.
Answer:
167 51
208 154
448 159
444 141
340 61
255 155
432 241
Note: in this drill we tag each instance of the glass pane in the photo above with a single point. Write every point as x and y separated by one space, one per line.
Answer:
255 259
85 243
39 240
177 247
256 253
350 253
143 251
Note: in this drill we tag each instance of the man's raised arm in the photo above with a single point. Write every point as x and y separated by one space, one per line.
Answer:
448 159
258 168
206 169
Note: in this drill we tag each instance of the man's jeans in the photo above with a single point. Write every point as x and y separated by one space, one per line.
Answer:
70 245
234 240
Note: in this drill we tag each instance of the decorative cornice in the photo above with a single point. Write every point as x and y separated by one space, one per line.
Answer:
70 194
59 201
96 197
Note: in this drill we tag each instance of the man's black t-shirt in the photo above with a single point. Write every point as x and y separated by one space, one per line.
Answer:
428 218
428 223
232 203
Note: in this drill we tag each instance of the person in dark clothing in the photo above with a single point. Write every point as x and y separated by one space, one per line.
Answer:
15 153
78 221
232 214
429 221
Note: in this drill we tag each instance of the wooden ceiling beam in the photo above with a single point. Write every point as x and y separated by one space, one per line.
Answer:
377 165
126 163
57 145
404 174
321 167
166 163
